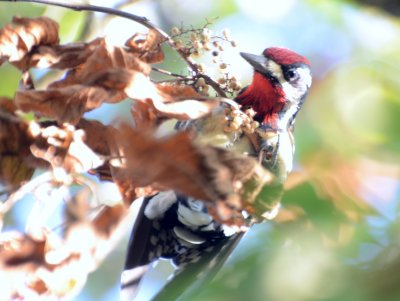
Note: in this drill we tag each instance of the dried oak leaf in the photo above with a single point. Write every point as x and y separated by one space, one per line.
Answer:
20 37
58 268
65 104
171 162
182 102
67 56
15 157
7 105
171 101
204 172
189 109
176 92
147 46
65 147
35 265
101 59
68 104
20 255
17 249
96 135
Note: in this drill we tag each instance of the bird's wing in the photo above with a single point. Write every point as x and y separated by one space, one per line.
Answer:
147 242
194 275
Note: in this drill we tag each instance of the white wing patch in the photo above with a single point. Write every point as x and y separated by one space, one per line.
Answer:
159 204
193 219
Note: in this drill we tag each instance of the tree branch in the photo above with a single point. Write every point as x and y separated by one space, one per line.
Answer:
141 20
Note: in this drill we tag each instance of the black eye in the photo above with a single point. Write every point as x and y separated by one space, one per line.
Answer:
291 75
273 79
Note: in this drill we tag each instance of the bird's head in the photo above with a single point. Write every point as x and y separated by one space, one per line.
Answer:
280 84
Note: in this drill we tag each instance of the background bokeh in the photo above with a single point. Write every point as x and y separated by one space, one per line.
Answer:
337 236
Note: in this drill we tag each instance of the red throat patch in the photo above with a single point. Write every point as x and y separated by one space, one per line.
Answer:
264 98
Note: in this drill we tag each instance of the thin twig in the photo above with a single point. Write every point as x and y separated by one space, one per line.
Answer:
87 7
175 80
141 20
166 72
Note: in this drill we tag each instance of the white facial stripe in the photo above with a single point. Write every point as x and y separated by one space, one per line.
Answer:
305 74
275 70
293 93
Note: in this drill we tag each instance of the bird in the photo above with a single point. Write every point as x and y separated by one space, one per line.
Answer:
173 226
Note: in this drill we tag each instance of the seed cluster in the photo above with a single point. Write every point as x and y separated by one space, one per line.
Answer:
240 121
195 42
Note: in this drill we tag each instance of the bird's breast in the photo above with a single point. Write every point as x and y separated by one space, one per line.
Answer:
210 131
276 151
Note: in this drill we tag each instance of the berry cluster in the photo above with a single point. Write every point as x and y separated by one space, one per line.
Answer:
238 121
195 42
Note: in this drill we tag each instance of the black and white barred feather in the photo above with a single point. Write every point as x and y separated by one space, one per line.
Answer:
169 226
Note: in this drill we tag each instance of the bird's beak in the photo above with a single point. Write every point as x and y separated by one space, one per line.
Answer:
260 63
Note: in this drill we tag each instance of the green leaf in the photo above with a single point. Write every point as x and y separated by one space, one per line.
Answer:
71 25
9 79
8 10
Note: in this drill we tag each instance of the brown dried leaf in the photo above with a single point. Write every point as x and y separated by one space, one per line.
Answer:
7 105
20 250
172 101
14 150
37 285
185 102
24 147
54 266
66 147
67 56
172 163
68 104
178 92
183 110
65 104
147 46
204 172
101 59
20 37
143 115
96 135
134 84
129 190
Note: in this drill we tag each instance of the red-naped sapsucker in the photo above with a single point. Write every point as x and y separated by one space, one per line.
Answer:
178 227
